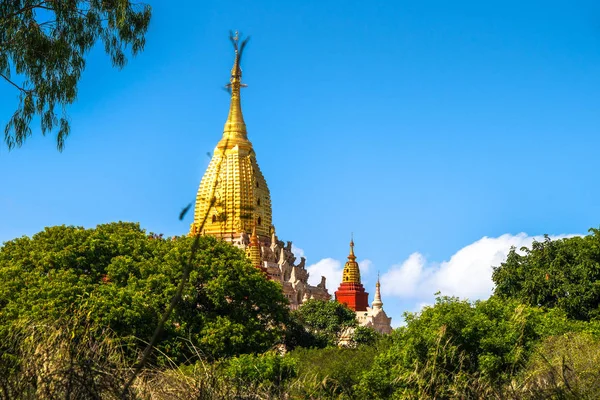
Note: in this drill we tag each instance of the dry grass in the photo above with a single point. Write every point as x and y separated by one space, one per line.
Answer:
67 362
564 367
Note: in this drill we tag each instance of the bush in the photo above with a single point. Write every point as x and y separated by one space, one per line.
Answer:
267 371
332 372
118 277
363 335
318 323
458 348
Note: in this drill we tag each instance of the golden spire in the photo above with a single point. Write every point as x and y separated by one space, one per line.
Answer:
351 271
255 249
233 196
377 303
234 132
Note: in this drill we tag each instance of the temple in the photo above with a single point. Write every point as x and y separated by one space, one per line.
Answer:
234 203
352 293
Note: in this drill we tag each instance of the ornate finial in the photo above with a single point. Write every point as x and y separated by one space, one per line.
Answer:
236 71
377 303
234 132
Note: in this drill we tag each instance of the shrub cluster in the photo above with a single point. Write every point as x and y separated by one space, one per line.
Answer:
78 305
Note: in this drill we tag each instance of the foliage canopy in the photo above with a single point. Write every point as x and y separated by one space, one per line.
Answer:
562 274
459 347
117 276
43 45
531 340
323 321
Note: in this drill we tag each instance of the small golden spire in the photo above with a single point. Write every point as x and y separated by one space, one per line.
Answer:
234 132
351 256
351 270
255 257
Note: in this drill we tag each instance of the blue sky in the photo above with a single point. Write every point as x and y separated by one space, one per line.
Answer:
422 127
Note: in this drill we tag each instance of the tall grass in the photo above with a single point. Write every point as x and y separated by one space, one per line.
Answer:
66 360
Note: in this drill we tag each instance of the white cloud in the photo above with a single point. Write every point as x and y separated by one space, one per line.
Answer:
365 265
298 252
329 268
468 273
404 279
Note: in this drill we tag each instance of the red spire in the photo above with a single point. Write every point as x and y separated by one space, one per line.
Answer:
351 291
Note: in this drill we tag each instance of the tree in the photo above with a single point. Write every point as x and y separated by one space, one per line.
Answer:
118 277
555 273
365 335
324 321
458 349
43 45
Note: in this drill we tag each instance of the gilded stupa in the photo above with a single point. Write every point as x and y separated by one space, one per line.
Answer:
352 293
234 203
233 197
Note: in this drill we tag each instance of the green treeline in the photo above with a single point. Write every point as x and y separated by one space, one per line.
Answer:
78 306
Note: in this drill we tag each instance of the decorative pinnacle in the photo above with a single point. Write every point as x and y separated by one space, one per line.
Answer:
255 257
351 272
377 303
234 132
236 71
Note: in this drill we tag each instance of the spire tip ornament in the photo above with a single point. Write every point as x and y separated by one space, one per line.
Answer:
234 132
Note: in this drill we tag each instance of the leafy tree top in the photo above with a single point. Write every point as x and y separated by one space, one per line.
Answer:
325 321
43 45
119 277
561 273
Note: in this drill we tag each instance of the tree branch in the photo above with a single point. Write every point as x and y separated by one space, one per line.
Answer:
22 89
24 9
184 278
